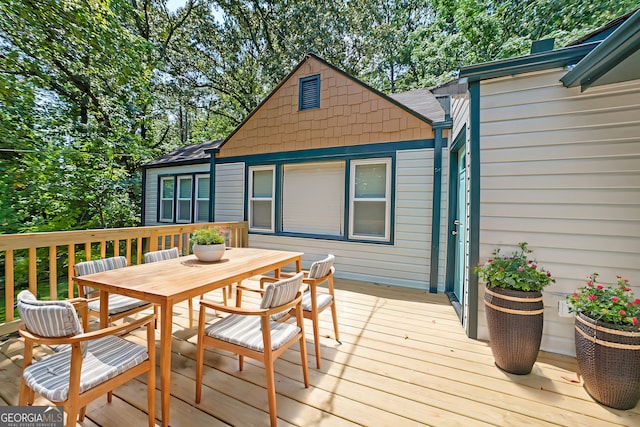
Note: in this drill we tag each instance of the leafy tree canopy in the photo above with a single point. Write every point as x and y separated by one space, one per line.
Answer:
91 90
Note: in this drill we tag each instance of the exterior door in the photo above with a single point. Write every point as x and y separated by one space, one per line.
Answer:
460 227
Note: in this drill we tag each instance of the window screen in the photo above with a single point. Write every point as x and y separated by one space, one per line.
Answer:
313 198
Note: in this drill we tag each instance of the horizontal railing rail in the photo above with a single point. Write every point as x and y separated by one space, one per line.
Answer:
43 260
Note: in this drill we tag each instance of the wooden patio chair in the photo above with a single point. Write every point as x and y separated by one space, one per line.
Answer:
119 305
254 333
88 365
173 253
314 302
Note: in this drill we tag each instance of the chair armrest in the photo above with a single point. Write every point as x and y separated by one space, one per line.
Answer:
82 307
247 288
232 310
252 311
87 336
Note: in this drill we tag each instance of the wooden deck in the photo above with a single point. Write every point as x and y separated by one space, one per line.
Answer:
404 360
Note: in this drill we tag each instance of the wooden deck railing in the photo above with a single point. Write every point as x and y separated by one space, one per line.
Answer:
41 256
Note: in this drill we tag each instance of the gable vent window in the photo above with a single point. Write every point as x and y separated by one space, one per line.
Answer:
309 96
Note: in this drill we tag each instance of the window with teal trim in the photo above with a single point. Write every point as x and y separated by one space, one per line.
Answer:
370 199
309 93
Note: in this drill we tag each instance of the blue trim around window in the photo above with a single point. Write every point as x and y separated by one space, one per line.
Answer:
345 154
309 93
175 176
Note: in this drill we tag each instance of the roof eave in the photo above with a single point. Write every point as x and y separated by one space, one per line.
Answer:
614 49
527 63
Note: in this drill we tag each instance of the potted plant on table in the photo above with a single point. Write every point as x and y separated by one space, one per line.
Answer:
607 335
208 244
514 308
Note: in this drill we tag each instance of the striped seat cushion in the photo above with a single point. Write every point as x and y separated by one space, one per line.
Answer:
246 332
105 359
321 268
162 255
98 266
322 299
118 304
48 318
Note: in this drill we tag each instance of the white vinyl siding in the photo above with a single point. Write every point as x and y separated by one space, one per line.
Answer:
370 199
313 198
560 169
203 189
229 197
262 184
184 193
406 262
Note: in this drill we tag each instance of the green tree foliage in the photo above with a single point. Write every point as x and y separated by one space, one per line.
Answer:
90 91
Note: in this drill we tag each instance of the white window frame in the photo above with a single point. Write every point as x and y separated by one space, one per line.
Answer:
162 198
271 199
183 199
200 199
387 199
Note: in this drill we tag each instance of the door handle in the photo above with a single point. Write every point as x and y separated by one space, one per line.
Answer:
454 232
456 222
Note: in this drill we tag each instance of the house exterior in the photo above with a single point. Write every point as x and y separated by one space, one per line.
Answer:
326 164
415 190
176 187
548 148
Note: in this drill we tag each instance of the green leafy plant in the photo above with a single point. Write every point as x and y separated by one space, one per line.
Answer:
611 304
207 236
516 272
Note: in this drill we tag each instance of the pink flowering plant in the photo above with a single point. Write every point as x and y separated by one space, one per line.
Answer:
611 304
517 272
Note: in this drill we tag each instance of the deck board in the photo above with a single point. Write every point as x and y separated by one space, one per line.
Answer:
404 360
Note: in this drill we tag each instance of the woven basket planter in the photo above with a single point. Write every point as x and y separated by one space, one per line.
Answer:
515 320
609 360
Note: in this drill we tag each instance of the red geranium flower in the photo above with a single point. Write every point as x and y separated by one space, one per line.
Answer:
592 297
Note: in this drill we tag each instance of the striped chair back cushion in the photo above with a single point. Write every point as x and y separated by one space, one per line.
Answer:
48 318
280 293
98 266
321 268
162 255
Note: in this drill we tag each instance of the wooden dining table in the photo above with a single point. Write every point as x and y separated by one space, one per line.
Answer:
169 282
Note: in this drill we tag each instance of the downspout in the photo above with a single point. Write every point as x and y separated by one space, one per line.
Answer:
474 207
212 183
438 128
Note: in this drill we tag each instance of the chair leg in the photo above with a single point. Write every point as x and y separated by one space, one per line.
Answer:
303 361
83 412
25 392
240 362
200 355
334 314
316 336
190 313
72 415
151 396
109 396
271 392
